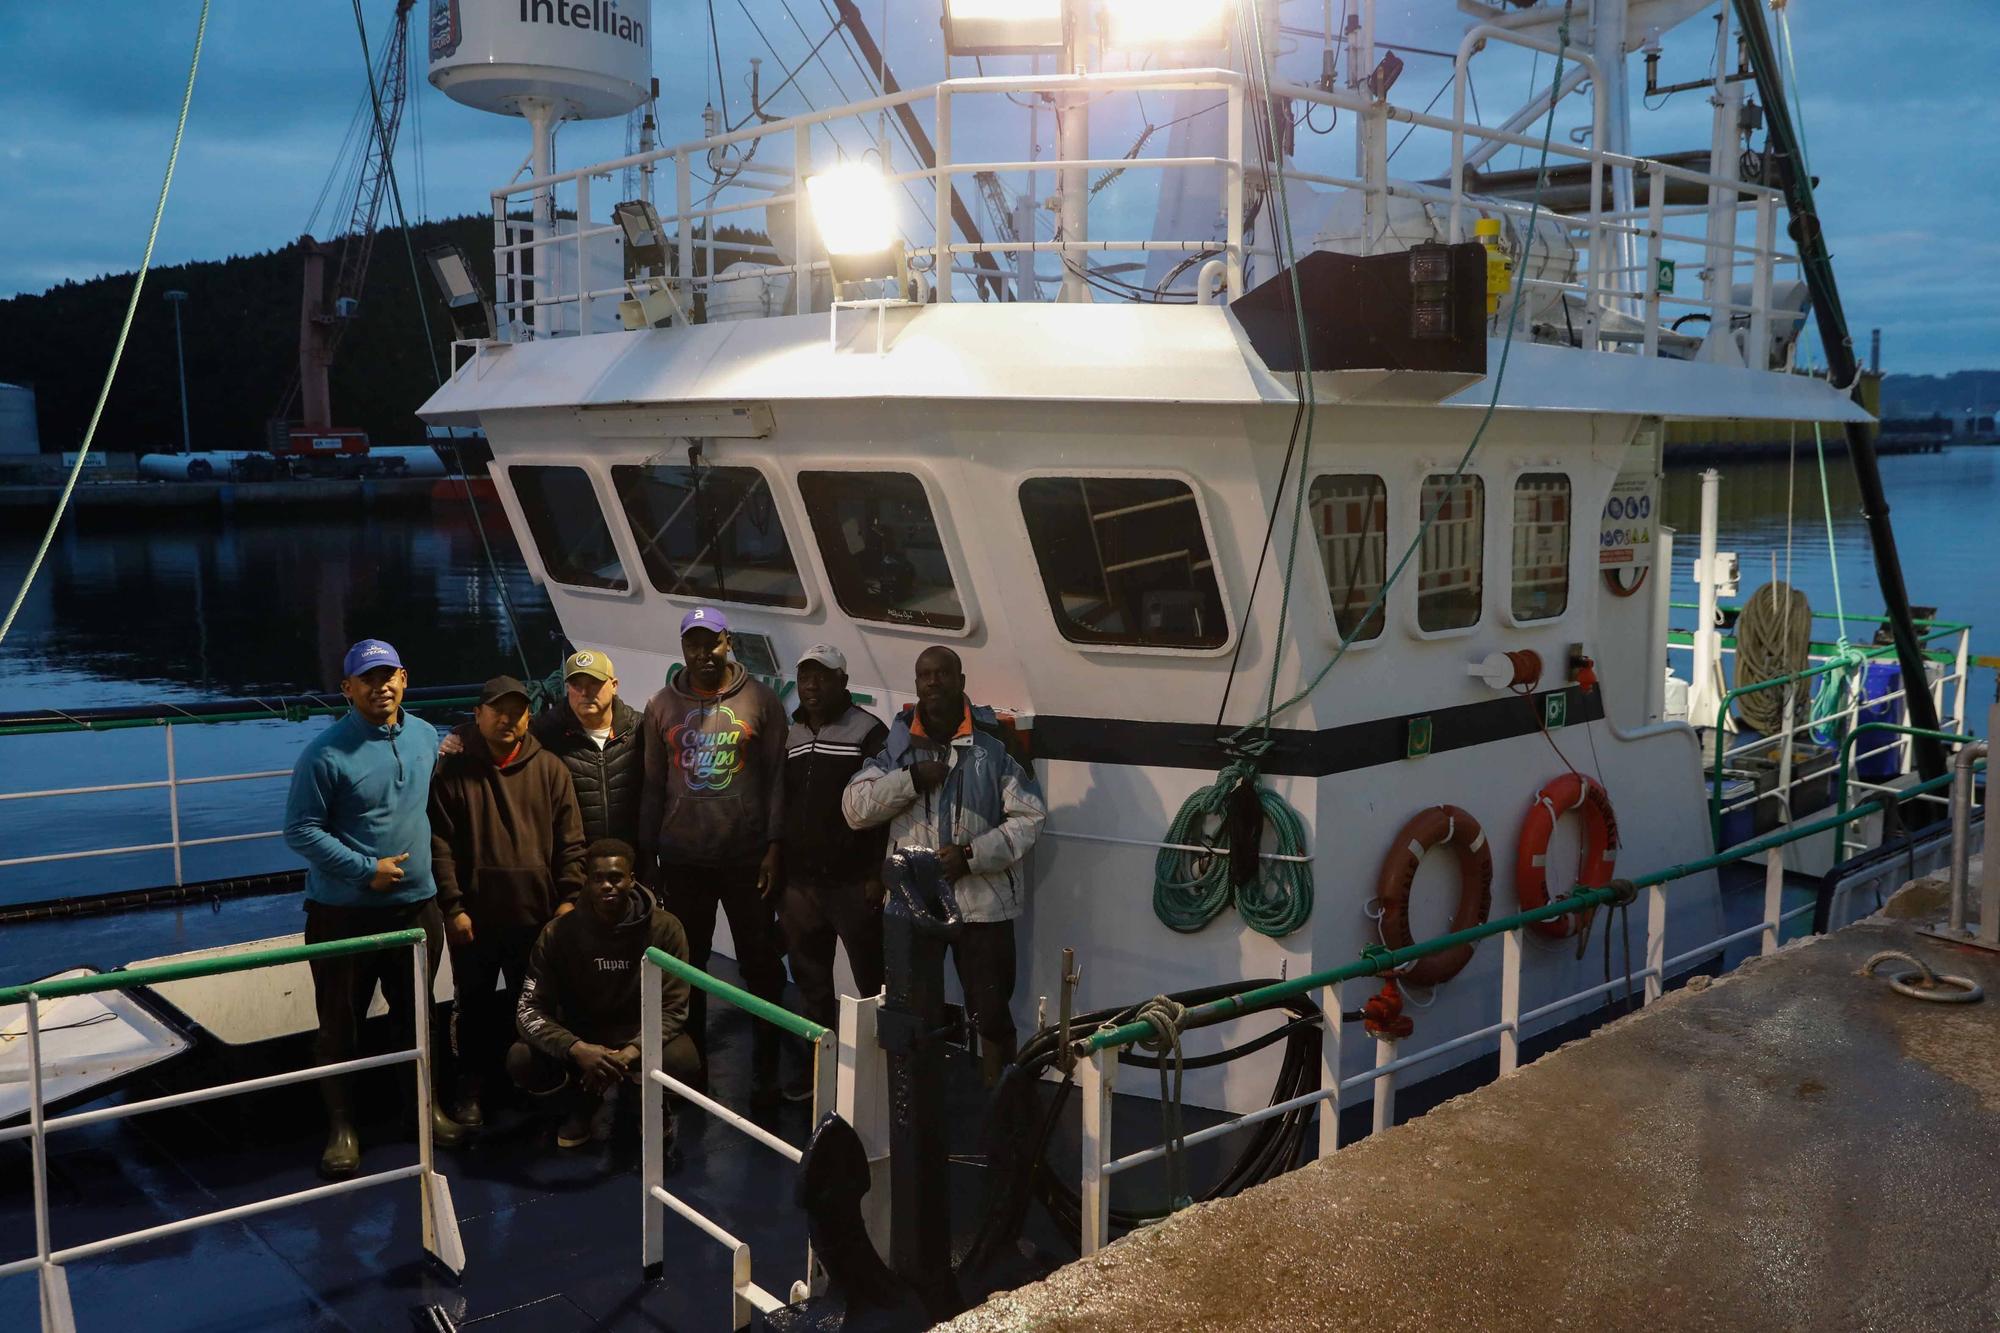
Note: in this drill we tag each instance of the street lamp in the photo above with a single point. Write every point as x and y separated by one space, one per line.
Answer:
175 299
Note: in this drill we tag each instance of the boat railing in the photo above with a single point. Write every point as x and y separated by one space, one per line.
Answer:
1096 1067
175 783
747 1298
440 1223
1613 297
1787 770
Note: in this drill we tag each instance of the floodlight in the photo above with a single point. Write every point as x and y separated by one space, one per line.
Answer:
645 239
1002 27
471 313
1165 24
856 221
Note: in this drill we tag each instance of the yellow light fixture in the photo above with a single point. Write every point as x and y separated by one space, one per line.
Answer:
856 219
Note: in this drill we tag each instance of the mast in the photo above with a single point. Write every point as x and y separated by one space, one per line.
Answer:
1840 364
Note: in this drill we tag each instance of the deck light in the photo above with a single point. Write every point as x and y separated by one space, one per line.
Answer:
1002 27
856 221
464 298
1165 24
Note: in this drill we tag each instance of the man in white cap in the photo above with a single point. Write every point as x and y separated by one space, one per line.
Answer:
711 822
833 874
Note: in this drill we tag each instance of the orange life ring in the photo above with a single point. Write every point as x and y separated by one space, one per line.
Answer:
1571 791
1439 825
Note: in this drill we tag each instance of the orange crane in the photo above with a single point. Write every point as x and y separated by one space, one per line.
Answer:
314 444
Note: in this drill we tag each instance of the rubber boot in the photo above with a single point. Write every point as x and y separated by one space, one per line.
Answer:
342 1156
465 1107
445 1132
766 1051
579 1126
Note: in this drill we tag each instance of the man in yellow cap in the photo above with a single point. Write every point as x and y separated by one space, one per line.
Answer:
598 737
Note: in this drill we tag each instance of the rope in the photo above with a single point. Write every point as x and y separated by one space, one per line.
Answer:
1773 640
1190 888
124 331
1921 983
1166 1016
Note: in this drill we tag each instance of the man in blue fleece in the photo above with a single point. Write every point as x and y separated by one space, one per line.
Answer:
357 814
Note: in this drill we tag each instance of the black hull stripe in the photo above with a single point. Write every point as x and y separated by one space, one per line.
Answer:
1309 754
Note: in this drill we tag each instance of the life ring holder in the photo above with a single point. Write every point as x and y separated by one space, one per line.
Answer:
1435 826
1597 864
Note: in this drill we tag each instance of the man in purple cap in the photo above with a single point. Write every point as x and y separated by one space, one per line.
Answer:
711 818
356 814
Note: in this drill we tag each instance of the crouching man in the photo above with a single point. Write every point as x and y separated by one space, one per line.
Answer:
579 1009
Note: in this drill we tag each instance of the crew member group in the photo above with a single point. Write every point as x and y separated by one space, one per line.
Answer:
546 854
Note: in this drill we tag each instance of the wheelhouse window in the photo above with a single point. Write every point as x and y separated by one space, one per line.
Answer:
1350 517
710 532
1541 546
562 513
1451 568
1124 561
882 549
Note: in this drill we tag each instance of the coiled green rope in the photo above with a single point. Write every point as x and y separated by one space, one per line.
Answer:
1190 888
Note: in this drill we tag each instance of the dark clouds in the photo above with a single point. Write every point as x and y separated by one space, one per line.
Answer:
1901 128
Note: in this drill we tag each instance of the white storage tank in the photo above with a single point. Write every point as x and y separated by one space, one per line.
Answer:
589 59
18 431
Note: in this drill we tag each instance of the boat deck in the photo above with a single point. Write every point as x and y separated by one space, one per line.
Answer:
1790 1147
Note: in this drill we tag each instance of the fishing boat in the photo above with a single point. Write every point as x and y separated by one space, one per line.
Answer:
1301 520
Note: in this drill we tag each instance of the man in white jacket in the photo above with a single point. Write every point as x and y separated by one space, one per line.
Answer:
944 782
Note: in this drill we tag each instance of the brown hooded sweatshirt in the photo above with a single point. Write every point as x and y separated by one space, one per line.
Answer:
506 840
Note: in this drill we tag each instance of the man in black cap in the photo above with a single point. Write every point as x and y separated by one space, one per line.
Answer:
507 853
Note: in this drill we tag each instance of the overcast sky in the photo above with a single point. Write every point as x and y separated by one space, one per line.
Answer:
1900 119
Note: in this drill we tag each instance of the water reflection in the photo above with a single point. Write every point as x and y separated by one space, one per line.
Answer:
249 608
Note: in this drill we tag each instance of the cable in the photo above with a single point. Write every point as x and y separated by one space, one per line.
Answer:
124 332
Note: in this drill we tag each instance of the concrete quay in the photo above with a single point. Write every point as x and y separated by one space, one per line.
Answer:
1791 1147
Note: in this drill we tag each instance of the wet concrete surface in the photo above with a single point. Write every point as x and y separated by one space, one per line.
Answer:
1792 1147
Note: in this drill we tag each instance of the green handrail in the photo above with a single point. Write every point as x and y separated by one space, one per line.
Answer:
755 1005
1376 961
207 967
1847 746
1681 638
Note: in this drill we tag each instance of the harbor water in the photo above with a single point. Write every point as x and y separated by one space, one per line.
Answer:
170 614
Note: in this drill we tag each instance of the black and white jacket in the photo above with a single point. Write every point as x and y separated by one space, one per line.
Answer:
819 846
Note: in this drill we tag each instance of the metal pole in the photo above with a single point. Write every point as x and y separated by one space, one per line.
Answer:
1656 215
1510 1002
1656 941
802 230
652 1107
1961 831
37 1141
1329 1069
1989 878
1385 1087
941 212
1073 145
1663 596
1097 1080
175 299
173 804
1774 899
582 255
420 1020
1704 696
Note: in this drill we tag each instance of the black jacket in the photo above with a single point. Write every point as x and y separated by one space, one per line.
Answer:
610 781
506 842
819 845
583 979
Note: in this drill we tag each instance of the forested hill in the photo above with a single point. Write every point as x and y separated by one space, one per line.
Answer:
241 325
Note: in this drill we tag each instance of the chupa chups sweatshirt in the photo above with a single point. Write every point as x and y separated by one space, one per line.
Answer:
506 839
583 979
715 773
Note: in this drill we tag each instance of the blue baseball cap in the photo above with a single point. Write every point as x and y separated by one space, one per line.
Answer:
705 617
366 655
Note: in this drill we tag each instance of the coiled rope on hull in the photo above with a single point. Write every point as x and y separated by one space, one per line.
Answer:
1190 888
1773 640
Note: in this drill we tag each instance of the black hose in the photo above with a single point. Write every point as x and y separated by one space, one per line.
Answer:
1018 1130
